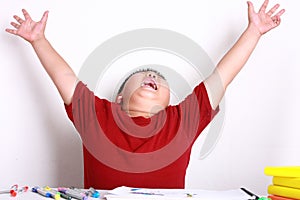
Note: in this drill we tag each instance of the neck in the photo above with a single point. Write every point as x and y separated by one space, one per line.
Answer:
142 112
142 108
136 113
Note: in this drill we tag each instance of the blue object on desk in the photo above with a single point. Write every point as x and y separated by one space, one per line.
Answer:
41 191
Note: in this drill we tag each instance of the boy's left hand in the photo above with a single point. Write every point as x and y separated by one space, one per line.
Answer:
262 20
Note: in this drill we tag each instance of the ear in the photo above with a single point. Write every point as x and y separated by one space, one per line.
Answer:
119 99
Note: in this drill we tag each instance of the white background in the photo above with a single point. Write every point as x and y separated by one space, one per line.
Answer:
38 144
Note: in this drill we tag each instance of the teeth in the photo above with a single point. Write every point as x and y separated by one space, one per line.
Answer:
152 85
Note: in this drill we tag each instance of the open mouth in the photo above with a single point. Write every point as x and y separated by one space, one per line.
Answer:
149 83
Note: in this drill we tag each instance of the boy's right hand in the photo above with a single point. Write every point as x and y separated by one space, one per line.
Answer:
28 29
57 68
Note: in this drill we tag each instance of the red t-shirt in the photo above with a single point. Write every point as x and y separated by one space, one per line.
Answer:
136 151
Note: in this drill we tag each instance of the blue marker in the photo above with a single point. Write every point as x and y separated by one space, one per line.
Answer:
41 192
95 193
54 194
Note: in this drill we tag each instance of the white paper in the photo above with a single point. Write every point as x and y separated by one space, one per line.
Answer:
175 194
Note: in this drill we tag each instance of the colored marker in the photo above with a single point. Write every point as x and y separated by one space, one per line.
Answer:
12 193
95 193
14 190
78 190
23 189
54 194
65 196
73 193
60 193
41 191
91 192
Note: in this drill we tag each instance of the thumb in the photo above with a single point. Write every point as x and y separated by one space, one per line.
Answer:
250 7
45 17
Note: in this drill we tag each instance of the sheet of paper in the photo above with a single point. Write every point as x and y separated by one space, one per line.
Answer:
176 194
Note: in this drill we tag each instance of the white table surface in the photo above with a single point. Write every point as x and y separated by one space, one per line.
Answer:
29 195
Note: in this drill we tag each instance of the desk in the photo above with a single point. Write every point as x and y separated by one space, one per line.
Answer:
236 194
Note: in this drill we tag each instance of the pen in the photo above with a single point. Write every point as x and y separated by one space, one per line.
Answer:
54 194
41 192
94 192
138 191
79 191
13 193
63 195
253 196
23 189
91 192
73 193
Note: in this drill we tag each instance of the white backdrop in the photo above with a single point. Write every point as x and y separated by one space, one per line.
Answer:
38 144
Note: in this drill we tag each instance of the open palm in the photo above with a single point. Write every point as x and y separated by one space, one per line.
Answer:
27 28
264 21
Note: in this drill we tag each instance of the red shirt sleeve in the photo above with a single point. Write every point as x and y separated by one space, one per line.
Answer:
197 110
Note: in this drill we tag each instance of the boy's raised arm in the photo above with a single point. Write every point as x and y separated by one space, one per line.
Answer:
59 71
233 61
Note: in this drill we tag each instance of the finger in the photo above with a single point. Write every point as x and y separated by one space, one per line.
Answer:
264 6
276 20
26 14
17 26
280 13
272 10
12 31
18 19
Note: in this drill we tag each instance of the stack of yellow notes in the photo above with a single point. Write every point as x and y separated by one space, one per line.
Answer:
285 183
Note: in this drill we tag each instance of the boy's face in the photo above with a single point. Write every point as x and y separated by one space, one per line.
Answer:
145 92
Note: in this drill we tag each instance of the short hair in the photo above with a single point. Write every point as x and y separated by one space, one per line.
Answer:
138 71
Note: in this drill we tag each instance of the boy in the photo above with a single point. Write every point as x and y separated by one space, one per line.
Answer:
139 140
